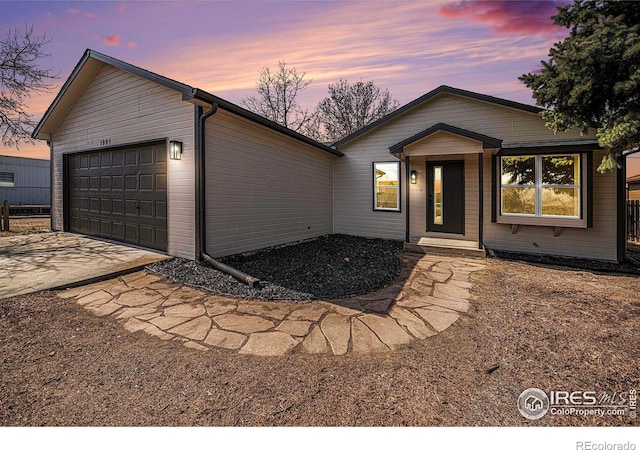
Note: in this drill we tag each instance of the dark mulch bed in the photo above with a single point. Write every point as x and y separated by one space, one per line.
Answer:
630 266
329 267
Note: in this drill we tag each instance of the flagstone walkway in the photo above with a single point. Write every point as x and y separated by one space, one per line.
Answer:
431 297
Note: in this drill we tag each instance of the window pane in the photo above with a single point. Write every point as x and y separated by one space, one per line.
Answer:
387 185
517 200
560 202
437 192
518 170
6 180
561 169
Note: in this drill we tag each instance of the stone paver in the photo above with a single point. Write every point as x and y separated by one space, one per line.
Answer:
272 343
431 297
364 340
387 330
225 339
138 297
315 343
337 329
196 329
243 323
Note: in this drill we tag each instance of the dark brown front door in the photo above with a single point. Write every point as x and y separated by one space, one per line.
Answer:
120 194
445 197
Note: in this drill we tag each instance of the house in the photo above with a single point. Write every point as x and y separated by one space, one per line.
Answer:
25 181
144 159
633 187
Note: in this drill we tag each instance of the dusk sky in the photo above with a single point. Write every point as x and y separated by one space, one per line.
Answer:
409 48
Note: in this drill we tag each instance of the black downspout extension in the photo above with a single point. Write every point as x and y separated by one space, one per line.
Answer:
201 223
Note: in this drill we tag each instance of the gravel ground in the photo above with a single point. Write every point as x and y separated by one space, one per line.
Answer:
550 328
330 267
630 266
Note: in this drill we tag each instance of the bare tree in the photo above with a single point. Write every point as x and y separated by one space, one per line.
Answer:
350 107
277 98
20 77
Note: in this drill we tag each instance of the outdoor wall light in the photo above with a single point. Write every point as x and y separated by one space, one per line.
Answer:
414 177
175 150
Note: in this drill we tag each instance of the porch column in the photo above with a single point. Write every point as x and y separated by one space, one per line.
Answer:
407 170
480 197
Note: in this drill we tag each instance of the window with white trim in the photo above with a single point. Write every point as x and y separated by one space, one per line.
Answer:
7 179
540 186
386 186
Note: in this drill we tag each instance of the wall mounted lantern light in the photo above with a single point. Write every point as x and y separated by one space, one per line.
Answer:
175 150
413 177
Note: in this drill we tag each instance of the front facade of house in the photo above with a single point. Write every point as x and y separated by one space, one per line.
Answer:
480 169
450 165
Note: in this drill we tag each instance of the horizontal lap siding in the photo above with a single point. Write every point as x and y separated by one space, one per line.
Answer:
263 188
353 181
127 109
598 242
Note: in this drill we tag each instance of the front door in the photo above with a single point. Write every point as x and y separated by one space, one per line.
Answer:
445 196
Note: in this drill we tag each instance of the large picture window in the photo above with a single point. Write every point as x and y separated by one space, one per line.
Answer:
386 186
540 186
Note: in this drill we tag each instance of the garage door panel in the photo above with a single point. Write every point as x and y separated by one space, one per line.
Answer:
131 157
161 209
146 182
161 182
146 156
117 206
131 182
105 227
120 194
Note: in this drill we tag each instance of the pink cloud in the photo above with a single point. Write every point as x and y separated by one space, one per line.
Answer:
121 9
132 44
111 40
508 17
75 12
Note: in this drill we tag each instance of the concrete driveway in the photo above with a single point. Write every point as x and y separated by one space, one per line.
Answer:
35 262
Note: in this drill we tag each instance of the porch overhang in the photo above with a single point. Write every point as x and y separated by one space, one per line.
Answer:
486 141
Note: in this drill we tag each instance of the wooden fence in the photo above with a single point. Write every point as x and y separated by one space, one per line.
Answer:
633 220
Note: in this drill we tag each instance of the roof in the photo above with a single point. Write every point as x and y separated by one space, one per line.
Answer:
92 61
430 95
487 141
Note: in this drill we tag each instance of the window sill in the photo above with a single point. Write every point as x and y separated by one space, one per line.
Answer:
543 221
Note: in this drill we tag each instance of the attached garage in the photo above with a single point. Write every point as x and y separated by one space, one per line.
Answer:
120 194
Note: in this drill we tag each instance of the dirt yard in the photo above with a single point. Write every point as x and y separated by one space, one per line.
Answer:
542 327
27 225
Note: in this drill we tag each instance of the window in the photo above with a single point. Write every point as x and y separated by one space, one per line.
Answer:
6 179
386 186
541 186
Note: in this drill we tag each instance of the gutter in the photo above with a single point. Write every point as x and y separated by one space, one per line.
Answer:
201 223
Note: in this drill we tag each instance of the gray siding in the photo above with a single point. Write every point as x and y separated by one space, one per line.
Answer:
263 188
32 181
598 242
353 212
123 109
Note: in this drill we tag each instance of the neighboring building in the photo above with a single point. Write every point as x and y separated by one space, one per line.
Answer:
25 181
147 160
633 187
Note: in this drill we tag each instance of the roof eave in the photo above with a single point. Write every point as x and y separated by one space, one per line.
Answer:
430 95
199 95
